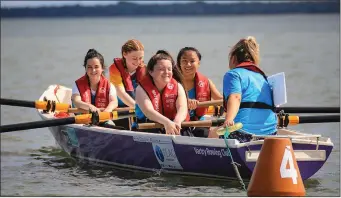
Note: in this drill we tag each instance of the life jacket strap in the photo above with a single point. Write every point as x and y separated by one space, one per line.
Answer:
257 105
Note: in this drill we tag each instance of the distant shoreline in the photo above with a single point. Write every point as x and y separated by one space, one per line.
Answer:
126 9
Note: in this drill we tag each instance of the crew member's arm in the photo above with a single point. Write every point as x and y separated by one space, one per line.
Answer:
116 80
232 92
181 105
77 100
215 94
113 103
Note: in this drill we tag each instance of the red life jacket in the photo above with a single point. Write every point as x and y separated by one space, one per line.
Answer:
252 67
202 93
259 105
164 103
126 78
102 93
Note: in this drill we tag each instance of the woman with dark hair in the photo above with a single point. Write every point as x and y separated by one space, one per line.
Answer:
160 96
198 87
93 90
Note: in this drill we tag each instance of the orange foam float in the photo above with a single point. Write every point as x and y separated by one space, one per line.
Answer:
276 172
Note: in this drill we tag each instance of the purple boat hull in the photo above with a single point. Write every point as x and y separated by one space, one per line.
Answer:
180 155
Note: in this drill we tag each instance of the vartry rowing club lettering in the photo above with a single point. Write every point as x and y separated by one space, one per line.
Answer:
207 151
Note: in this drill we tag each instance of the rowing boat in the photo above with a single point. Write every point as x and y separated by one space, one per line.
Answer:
207 157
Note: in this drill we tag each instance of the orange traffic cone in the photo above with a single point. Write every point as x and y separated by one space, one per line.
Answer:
276 172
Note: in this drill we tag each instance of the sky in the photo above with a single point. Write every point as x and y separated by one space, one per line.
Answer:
84 3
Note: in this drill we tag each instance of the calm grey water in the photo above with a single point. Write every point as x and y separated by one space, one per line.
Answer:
38 52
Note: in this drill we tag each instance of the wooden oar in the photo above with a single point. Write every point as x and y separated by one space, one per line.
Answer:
47 105
120 109
293 120
210 103
278 109
92 118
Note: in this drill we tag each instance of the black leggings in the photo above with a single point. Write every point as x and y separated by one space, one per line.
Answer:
200 131
242 137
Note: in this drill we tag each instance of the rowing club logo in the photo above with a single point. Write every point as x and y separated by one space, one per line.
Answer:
159 154
201 84
170 86
102 90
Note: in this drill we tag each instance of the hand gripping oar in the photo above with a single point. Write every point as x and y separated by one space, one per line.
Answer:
50 106
286 120
93 118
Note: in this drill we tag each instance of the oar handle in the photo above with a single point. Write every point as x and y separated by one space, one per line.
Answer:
204 123
120 109
103 116
210 103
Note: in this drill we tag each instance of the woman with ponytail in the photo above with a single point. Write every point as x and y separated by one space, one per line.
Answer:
93 90
247 93
125 73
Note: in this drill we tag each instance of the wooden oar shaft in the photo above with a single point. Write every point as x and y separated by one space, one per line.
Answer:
293 120
210 103
120 109
204 123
